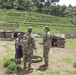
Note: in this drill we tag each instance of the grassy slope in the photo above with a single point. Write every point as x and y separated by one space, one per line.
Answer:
20 21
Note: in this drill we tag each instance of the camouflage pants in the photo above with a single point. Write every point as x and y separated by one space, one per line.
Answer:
27 58
45 55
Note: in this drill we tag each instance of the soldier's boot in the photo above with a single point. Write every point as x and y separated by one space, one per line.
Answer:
75 65
30 68
25 66
46 66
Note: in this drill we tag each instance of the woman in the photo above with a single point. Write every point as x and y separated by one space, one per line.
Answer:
46 45
18 46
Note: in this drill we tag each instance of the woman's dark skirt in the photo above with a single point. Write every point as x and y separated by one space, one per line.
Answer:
19 52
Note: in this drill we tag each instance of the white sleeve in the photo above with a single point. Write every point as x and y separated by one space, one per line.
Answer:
16 40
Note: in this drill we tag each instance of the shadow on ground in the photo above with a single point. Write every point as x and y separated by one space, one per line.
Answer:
24 72
41 68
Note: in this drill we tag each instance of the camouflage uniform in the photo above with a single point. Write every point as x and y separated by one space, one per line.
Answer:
25 49
31 46
46 46
28 47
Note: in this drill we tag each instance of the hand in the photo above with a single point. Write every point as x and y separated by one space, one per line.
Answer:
36 51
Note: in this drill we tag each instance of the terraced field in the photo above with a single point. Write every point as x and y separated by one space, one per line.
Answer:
20 21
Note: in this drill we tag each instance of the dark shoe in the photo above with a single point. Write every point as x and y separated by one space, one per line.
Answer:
75 65
30 69
44 65
25 68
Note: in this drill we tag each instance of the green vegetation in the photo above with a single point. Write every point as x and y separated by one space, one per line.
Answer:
74 54
7 62
68 72
9 52
71 14
50 72
67 60
39 40
70 43
20 21
12 66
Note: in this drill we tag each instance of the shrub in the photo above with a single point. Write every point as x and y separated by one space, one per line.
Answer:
12 66
8 62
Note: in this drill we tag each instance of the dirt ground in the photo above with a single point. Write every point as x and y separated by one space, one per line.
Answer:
55 64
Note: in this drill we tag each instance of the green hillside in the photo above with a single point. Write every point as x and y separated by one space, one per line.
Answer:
20 21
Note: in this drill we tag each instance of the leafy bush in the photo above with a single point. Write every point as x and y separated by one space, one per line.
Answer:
12 66
8 62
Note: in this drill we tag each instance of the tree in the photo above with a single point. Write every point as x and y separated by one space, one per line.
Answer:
8 4
38 5
62 10
47 4
70 5
24 4
58 10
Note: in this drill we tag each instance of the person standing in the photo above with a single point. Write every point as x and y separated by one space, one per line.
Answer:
18 47
46 45
28 47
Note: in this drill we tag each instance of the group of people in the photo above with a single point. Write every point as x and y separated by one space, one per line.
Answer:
25 45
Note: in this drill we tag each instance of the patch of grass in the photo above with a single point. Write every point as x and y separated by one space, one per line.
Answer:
50 72
8 49
1 61
74 72
70 43
39 40
67 60
68 72
38 53
4 59
55 52
74 54
39 73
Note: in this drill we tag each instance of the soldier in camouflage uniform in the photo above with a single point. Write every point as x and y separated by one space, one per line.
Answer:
46 45
28 46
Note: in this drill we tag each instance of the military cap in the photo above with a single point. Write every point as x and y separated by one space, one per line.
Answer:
30 28
47 27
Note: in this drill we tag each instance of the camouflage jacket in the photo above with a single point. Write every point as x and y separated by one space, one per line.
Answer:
28 41
47 40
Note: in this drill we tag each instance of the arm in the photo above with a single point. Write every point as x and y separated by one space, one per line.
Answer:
33 43
16 43
47 42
